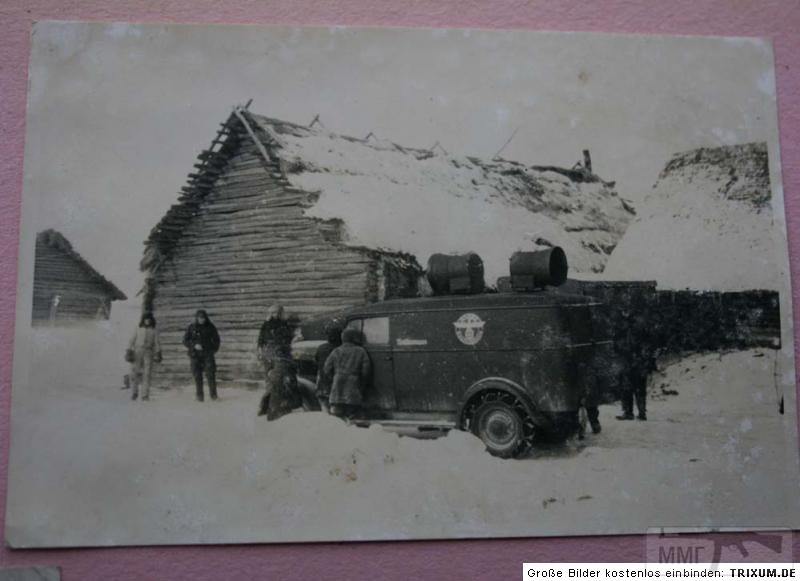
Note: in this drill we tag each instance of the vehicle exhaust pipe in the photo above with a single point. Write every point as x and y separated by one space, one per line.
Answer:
537 269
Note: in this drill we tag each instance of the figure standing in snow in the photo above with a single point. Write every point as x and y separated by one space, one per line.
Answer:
275 352
592 411
54 308
636 345
334 335
202 340
350 368
144 350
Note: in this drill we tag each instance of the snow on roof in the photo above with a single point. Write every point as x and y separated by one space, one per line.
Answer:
707 225
55 240
423 201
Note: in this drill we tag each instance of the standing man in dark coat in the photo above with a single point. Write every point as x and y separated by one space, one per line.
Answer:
636 344
350 368
202 340
275 352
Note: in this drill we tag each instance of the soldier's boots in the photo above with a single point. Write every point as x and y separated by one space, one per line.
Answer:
596 429
642 417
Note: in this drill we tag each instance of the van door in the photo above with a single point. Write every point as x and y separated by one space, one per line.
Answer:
379 393
429 369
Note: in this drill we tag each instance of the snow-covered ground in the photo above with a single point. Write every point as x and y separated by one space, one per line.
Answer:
98 469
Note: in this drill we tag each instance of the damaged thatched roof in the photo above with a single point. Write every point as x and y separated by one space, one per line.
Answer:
55 240
388 197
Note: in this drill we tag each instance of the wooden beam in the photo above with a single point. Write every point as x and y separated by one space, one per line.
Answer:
261 149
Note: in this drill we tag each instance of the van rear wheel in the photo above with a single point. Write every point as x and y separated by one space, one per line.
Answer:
500 427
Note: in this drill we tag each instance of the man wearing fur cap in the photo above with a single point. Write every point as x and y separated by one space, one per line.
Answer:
350 368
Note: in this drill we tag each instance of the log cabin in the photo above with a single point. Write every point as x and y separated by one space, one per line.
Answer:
239 240
66 289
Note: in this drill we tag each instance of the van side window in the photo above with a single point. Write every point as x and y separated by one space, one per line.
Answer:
355 324
376 331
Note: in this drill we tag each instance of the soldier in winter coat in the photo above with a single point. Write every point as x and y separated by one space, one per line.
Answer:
202 340
275 352
636 344
275 336
350 368
143 351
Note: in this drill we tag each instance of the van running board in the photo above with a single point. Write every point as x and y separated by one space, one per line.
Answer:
423 426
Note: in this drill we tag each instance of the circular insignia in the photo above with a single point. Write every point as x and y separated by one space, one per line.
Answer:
469 328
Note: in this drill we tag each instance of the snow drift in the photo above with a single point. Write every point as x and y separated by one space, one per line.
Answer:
217 473
82 352
425 201
707 225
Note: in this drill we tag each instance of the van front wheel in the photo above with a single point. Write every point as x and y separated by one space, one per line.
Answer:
500 427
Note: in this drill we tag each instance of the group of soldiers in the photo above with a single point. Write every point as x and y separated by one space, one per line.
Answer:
342 363
202 341
343 369
634 361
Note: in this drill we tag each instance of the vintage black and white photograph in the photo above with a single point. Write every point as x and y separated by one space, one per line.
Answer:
330 284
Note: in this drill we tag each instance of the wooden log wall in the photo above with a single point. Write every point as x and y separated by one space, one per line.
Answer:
81 297
249 245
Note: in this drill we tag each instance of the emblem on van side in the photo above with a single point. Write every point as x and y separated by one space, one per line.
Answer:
469 328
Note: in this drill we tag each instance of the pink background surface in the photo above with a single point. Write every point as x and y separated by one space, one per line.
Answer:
483 559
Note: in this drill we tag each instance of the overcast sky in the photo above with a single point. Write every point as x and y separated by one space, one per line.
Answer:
118 113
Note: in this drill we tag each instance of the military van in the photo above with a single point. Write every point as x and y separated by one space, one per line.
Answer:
511 367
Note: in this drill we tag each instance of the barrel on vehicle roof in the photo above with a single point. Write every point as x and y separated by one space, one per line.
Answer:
538 269
456 274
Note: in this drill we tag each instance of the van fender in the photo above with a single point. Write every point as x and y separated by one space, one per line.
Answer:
308 394
503 385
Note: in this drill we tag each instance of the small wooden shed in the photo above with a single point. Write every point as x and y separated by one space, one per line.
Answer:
65 287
